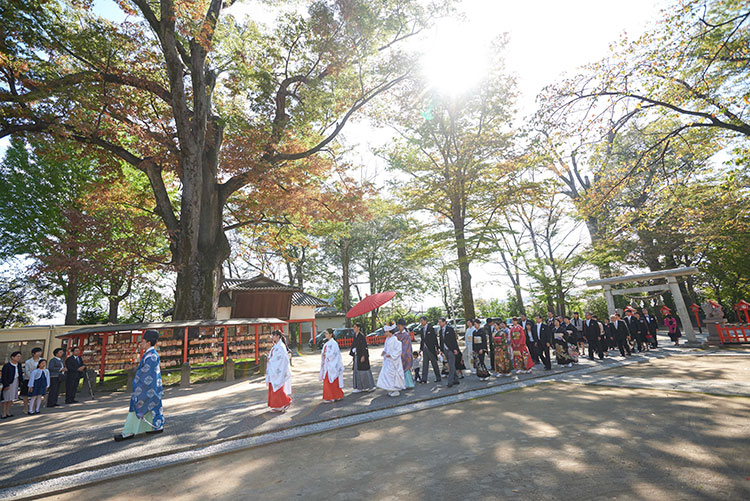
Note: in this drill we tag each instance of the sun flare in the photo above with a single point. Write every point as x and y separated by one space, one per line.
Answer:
455 58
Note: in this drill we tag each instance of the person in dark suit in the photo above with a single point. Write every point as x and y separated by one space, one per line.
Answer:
544 337
621 334
428 347
56 368
592 333
551 321
632 324
643 333
489 329
74 369
449 346
653 327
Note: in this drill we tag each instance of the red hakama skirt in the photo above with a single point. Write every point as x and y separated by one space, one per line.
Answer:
332 391
277 399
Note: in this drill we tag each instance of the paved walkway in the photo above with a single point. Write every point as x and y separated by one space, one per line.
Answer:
218 417
547 442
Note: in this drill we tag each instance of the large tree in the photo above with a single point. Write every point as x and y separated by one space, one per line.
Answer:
193 97
692 68
455 154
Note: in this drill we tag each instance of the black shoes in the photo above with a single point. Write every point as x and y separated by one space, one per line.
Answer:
154 432
120 437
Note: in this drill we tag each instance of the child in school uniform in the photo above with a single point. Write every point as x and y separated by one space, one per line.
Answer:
38 385
416 365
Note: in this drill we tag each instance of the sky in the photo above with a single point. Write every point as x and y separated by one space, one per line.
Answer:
546 40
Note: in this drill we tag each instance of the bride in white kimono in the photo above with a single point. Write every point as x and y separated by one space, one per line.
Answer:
391 377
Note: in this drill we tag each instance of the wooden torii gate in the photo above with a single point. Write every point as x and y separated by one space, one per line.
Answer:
671 286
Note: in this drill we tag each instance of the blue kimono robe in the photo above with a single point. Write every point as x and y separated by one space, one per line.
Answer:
145 402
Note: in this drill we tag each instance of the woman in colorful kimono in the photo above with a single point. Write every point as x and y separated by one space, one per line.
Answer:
278 375
145 414
561 345
391 377
674 329
503 357
522 361
407 353
331 369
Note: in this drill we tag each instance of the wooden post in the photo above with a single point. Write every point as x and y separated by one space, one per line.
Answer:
225 344
229 370
185 375
257 357
104 358
185 348
131 375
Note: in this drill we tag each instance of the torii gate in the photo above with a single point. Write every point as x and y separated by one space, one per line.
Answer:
671 286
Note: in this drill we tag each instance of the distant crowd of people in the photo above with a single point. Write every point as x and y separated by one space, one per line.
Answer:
37 379
509 347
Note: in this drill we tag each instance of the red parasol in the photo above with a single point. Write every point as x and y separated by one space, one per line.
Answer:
369 303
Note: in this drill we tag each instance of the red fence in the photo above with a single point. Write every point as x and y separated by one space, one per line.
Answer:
734 333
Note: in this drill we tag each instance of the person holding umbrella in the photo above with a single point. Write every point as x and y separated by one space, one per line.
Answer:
363 380
144 415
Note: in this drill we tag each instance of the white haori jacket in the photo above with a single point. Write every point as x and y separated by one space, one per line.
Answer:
278 372
331 362
391 377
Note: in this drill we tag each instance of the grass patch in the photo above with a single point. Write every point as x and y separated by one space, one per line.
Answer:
200 373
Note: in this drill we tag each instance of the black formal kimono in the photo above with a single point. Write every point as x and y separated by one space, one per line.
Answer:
362 375
491 346
562 347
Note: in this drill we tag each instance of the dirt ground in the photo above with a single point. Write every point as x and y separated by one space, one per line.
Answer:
551 441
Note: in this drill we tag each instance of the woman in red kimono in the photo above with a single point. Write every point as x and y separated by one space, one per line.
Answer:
522 361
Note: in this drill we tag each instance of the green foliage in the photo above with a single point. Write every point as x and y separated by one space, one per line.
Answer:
433 314
494 308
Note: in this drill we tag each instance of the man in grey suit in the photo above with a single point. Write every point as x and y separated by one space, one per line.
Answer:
56 368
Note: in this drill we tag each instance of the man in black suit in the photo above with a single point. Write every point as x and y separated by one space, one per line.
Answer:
428 345
653 327
550 320
74 368
621 332
544 341
449 345
592 333
632 324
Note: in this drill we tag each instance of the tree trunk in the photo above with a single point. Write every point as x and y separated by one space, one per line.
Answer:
202 246
467 297
71 299
346 287
560 296
595 234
